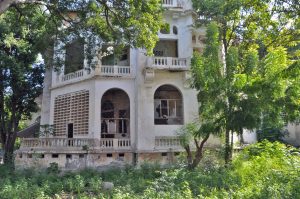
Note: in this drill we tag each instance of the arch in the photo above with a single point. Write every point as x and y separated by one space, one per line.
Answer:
115 114
168 105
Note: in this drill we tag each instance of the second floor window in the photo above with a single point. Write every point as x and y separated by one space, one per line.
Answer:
74 56
168 108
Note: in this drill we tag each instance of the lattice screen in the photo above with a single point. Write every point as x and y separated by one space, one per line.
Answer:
72 108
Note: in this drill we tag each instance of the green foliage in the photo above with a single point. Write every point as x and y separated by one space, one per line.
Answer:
271 135
249 84
21 76
262 170
53 168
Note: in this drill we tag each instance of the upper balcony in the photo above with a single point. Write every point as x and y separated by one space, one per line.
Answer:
172 3
166 57
75 68
169 63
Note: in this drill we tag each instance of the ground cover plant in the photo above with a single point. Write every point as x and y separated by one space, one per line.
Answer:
263 170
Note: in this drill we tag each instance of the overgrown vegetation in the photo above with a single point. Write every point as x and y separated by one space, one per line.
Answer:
263 170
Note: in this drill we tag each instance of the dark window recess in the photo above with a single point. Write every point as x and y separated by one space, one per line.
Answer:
42 155
20 155
29 155
158 53
175 31
164 154
68 156
121 154
70 130
124 55
55 155
81 155
74 56
109 155
70 134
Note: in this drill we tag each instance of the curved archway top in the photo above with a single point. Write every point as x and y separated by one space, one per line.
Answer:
172 87
116 89
167 88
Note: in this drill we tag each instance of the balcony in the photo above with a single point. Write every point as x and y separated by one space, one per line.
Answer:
46 143
167 143
115 71
115 144
172 3
74 144
169 63
103 71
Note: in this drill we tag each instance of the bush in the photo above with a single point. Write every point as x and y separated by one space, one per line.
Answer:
53 168
262 170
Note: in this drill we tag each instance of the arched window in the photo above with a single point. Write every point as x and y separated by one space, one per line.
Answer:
168 107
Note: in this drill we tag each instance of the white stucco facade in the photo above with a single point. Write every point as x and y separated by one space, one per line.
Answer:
144 136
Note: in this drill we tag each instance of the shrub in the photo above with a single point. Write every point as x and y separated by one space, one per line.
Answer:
53 168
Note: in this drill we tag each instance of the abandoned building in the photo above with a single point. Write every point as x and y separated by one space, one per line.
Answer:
127 109
124 111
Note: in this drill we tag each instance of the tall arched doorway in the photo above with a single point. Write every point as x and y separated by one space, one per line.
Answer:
115 114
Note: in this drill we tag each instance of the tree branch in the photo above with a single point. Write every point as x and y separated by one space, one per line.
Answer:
5 4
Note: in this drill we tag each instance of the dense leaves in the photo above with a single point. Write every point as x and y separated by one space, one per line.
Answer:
264 170
250 83
21 76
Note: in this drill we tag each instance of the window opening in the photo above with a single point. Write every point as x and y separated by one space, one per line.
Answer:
74 56
168 106
175 31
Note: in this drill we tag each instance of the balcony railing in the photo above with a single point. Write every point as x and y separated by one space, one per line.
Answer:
169 63
79 143
74 75
109 71
115 70
112 143
172 3
167 142
56 142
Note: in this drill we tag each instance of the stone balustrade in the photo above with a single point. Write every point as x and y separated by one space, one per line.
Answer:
74 75
167 142
112 71
56 142
112 143
171 3
115 71
79 143
169 63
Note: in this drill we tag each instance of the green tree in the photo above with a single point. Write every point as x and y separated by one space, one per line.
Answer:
247 90
32 27
192 136
253 36
130 22
20 77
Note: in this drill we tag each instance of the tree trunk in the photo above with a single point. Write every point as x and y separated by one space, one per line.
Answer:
231 146
189 156
9 149
199 153
227 147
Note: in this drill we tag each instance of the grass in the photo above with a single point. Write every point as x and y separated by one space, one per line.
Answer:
264 170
